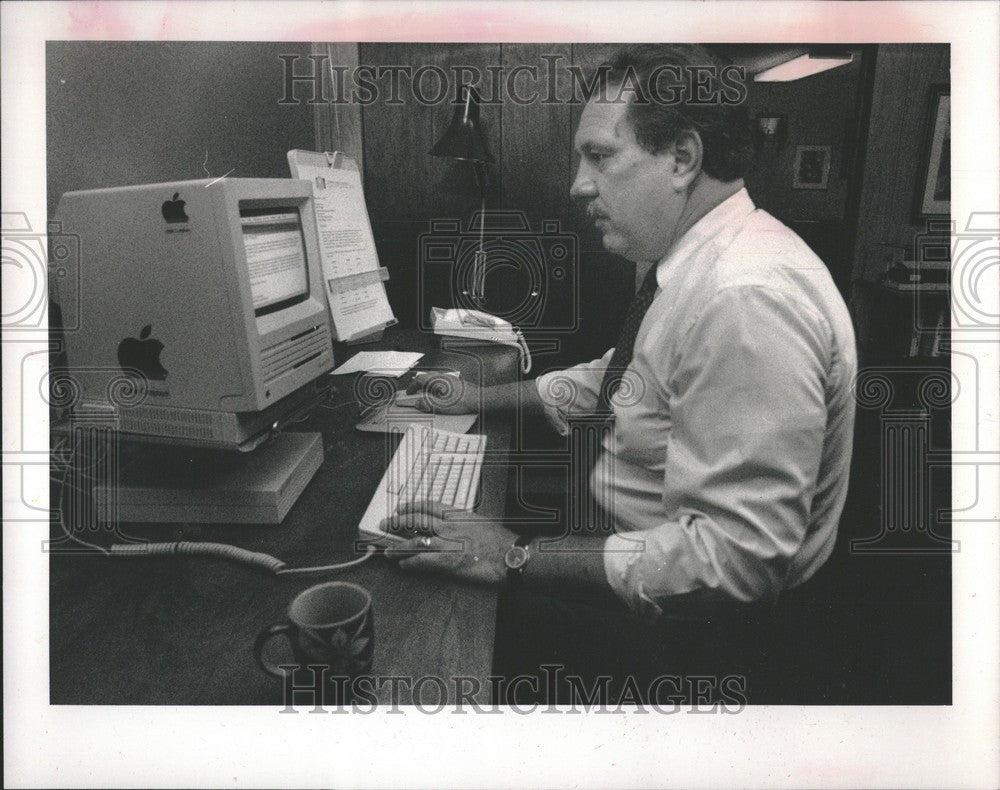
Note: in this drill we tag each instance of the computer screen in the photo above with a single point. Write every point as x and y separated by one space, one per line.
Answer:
275 256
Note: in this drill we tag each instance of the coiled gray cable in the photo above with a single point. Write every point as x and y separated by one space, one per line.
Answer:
224 551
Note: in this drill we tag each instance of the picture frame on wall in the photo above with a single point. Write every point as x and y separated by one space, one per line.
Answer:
812 166
933 195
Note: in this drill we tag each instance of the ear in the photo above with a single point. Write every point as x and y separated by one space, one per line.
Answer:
688 152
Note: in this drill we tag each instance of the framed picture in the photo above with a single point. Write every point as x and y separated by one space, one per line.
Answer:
812 166
933 198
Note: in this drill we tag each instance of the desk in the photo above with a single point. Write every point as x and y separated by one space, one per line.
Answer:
172 630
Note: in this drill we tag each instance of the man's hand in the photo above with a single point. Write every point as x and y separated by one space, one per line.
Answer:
444 394
452 542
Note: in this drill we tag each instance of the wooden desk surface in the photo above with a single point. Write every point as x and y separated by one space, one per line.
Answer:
169 630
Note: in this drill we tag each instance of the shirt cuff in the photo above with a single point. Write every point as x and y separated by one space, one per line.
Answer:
620 554
553 389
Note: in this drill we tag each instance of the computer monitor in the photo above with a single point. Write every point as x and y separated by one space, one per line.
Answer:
208 297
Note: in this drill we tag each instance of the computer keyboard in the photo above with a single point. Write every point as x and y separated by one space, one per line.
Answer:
432 465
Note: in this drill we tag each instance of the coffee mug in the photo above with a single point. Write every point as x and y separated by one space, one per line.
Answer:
330 626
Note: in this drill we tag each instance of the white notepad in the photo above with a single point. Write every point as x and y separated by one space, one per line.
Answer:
384 363
396 419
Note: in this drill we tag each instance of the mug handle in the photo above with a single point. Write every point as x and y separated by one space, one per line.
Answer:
262 639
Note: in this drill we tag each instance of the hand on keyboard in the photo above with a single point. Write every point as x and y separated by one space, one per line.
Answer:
428 465
450 542
422 508
442 394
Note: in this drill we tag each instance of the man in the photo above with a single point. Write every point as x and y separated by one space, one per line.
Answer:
727 465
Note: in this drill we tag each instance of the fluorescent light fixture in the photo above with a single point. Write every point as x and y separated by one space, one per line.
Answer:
803 66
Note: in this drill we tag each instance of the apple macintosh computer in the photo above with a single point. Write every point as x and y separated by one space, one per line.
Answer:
210 294
206 298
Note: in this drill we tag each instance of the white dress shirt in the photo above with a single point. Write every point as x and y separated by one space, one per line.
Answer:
733 431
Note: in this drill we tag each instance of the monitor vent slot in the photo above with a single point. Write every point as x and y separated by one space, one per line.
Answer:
153 428
279 359
162 421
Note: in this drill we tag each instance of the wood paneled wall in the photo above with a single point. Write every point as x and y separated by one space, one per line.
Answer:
338 125
819 110
407 189
904 74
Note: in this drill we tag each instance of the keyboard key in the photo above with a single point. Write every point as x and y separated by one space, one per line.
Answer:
402 462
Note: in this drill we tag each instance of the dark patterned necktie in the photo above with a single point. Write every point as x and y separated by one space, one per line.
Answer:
622 355
592 512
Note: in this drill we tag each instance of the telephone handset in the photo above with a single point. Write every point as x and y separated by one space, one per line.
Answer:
477 325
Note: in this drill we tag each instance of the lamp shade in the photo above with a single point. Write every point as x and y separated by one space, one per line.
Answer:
771 131
463 138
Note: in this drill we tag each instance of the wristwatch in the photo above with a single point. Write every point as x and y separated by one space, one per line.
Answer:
516 559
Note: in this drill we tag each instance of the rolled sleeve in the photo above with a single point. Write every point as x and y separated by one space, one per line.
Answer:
573 391
748 414
620 556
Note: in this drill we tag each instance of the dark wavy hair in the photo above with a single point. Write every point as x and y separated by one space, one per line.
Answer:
724 126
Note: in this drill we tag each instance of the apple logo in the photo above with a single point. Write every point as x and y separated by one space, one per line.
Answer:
142 353
173 210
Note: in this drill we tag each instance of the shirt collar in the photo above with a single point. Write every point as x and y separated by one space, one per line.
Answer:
728 215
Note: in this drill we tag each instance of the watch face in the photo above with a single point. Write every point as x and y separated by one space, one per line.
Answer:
516 557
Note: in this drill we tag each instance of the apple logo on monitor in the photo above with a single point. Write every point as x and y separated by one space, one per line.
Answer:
143 354
173 209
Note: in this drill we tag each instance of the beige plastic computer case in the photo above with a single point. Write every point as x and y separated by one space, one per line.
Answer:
164 266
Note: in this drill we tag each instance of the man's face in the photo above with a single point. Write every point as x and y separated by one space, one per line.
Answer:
628 192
